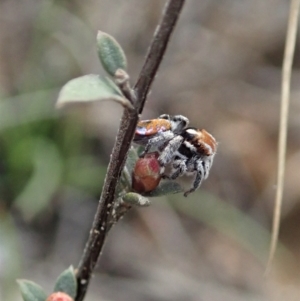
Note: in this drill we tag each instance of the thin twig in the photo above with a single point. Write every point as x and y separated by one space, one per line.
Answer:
119 153
157 50
284 112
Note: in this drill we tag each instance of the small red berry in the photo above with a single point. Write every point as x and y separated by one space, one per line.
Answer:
59 296
146 174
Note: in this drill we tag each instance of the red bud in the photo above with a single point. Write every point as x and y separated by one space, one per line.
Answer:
146 174
59 296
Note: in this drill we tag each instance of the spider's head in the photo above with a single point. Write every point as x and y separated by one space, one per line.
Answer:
178 122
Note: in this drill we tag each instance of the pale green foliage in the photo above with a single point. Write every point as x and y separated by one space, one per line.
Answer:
66 283
31 291
89 88
110 53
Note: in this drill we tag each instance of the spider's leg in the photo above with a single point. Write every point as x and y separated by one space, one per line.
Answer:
170 150
201 174
179 168
157 141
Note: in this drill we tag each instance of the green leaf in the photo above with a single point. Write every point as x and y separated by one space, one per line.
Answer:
165 187
125 182
136 199
89 88
132 157
31 291
66 283
110 53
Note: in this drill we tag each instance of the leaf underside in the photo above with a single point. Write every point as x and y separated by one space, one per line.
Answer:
90 88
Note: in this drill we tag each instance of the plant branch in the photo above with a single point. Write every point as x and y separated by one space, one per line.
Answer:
156 50
283 127
119 153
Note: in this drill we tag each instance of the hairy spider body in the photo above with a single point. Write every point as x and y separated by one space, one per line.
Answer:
156 133
191 152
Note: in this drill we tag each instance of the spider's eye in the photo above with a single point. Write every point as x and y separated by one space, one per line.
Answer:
176 119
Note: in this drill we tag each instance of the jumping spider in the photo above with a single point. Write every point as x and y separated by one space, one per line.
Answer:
186 150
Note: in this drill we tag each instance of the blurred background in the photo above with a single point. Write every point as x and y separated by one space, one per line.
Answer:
222 70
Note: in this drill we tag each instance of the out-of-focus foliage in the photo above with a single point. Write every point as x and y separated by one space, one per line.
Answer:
66 282
222 70
65 288
31 291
